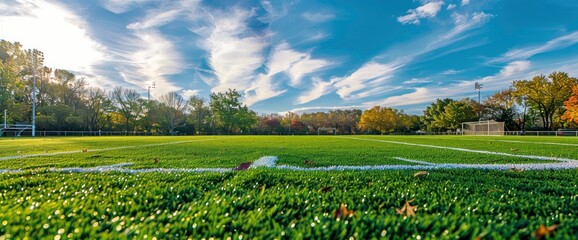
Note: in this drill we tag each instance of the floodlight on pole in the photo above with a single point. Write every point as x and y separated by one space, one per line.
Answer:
149 90
34 94
478 87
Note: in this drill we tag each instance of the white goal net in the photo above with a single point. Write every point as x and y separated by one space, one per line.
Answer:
489 127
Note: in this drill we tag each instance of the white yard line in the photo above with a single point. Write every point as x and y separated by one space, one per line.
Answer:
467 150
414 161
270 162
100 149
517 141
267 161
120 168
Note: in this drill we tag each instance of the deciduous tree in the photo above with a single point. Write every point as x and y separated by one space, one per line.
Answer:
546 94
571 106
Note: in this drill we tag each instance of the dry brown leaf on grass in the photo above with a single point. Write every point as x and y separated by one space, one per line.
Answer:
309 163
342 212
243 166
419 174
84 150
156 160
325 189
544 231
513 169
407 209
513 149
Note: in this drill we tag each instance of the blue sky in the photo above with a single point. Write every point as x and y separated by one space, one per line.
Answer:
302 55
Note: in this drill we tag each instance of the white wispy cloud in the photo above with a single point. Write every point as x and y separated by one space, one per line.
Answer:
322 109
246 60
462 89
462 24
451 6
560 42
152 58
465 2
304 67
58 31
263 88
318 89
147 55
316 37
451 72
188 93
283 59
428 10
417 80
273 13
318 16
155 19
372 77
120 6
234 51
515 67
367 77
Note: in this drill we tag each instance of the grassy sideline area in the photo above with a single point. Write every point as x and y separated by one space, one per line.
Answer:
280 204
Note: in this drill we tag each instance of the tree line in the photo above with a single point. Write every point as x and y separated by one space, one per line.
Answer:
66 102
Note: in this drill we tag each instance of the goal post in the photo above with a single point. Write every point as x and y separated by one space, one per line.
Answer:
487 127
327 130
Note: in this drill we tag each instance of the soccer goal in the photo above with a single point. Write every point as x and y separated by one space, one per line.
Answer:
326 130
488 127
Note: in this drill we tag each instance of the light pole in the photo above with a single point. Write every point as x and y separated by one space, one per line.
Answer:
34 94
149 90
478 87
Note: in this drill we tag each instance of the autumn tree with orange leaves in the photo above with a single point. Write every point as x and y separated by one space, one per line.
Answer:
571 106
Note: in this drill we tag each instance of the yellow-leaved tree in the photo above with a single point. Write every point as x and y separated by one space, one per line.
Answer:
379 119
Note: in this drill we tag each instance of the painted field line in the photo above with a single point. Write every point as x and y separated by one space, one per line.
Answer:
467 150
121 168
100 149
270 162
414 161
516 141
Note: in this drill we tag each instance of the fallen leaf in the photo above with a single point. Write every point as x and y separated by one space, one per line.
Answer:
325 189
513 149
544 231
156 160
242 166
85 150
309 163
407 209
513 169
342 212
422 173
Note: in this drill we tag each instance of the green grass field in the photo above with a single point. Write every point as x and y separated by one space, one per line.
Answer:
268 203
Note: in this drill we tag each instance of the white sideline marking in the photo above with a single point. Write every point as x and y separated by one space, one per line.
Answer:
267 161
270 162
414 161
120 168
516 141
468 150
100 149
